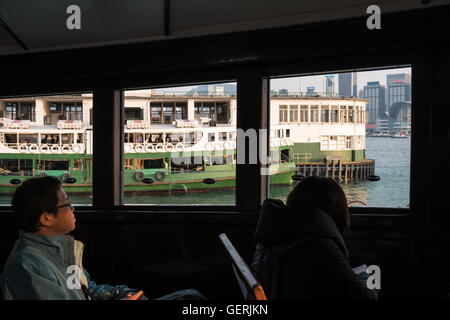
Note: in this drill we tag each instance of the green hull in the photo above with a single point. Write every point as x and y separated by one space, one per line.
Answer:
192 181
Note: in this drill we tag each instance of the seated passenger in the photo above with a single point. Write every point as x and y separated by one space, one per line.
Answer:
300 251
45 260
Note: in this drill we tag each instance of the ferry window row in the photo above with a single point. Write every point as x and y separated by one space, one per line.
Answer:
180 146
322 113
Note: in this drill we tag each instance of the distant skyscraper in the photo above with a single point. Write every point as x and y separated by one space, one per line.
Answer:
375 108
355 84
398 90
329 85
345 84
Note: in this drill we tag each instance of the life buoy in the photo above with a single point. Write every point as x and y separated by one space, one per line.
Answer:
283 142
66 148
23 148
209 146
44 148
55 149
218 146
139 175
228 145
128 147
139 148
77 148
159 147
160 175
33 148
169 147
179 146
149 147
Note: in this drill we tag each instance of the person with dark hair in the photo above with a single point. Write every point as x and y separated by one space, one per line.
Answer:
46 262
45 256
300 251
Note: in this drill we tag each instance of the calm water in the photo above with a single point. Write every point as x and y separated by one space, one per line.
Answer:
392 164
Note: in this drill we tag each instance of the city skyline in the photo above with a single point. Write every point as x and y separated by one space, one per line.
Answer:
292 84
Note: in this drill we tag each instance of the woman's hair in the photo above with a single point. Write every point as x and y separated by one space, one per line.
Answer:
34 197
322 193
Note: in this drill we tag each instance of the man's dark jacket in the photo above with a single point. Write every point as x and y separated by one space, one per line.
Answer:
316 264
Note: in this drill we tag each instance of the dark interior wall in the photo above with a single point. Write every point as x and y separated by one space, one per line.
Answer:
161 251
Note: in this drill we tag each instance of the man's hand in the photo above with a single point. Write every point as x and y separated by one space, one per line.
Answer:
134 296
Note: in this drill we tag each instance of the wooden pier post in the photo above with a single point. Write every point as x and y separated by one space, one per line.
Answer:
333 168
326 169
346 173
340 171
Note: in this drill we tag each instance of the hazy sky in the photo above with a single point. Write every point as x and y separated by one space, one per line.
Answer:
292 84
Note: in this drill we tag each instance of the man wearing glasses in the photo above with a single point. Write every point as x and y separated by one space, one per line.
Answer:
46 262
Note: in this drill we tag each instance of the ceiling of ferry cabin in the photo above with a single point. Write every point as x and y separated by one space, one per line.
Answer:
40 25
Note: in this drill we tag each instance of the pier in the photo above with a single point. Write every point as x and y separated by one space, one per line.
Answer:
333 167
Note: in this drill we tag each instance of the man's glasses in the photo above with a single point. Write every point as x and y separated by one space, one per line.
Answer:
68 204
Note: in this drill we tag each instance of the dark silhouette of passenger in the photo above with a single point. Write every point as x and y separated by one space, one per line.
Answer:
300 251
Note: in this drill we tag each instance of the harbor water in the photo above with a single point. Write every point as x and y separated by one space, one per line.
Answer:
392 164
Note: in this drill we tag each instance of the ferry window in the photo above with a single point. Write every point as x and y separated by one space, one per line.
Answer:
73 111
11 110
314 113
22 167
77 164
168 109
181 111
27 111
334 114
324 114
156 112
372 141
54 106
283 113
288 133
133 114
47 141
28 138
293 113
303 113
189 162
53 165
222 136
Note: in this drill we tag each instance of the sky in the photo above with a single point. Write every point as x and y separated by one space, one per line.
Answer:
292 84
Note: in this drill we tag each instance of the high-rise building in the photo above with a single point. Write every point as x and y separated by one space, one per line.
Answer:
398 90
345 84
355 84
374 93
329 85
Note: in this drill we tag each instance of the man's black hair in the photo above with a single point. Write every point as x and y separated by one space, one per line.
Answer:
34 197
